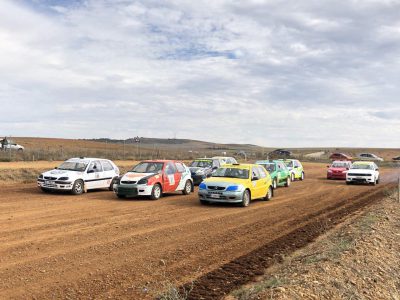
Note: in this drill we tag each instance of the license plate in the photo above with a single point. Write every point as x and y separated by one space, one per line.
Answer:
359 177
48 182
214 195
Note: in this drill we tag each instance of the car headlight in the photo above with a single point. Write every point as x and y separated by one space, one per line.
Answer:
63 178
329 171
41 176
234 188
142 181
202 186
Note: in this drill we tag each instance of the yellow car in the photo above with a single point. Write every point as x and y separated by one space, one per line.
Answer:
236 183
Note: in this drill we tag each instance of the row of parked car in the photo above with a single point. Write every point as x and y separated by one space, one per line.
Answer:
220 179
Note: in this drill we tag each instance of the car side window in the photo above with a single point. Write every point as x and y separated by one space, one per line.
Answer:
255 173
180 168
95 166
215 164
107 166
170 168
262 172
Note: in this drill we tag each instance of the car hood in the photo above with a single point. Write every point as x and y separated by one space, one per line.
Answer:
337 169
226 180
131 176
195 169
61 173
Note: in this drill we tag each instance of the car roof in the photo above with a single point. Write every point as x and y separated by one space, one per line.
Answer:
85 158
160 160
341 161
205 158
266 161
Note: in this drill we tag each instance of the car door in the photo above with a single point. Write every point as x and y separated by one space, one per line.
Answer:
263 181
108 173
93 178
179 176
256 183
171 178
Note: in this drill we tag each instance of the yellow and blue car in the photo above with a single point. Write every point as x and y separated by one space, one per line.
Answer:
236 183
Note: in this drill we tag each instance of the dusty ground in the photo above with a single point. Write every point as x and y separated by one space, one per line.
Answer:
357 260
95 246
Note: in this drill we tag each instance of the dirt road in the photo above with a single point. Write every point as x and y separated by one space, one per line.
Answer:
95 246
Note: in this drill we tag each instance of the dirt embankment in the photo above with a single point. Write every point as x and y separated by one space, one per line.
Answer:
357 260
96 246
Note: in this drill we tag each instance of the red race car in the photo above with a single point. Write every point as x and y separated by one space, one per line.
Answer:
340 156
338 169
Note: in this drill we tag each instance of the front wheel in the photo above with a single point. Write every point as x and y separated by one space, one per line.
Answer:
155 192
78 187
292 177
204 202
377 181
302 176
111 187
245 199
188 188
287 184
269 194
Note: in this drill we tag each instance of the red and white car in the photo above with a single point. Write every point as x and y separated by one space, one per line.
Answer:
154 178
338 169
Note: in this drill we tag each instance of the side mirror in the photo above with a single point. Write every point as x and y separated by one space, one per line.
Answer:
254 178
90 171
214 168
296 167
328 166
55 168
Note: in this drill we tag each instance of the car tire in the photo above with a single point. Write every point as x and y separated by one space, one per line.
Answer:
287 184
245 199
274 184
348 182
204 202
78 187
374 182
156 192
292 177
270 194
302 176
45 190
121 196
188 188
377 181
111 187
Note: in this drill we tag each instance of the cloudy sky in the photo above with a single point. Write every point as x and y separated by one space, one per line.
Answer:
273 73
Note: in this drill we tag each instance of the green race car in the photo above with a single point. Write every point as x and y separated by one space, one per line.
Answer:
280 174
295 167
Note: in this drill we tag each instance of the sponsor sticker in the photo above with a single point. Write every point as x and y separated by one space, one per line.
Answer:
171 179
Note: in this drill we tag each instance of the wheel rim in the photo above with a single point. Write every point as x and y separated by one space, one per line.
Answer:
269 193
157 191
78 187
292 177
302 175
188 187
288 181
274 184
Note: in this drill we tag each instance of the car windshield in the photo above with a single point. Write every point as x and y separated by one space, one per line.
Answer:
365 167
269 167
340 165
289 164
232 173
201 164
79 166
148 167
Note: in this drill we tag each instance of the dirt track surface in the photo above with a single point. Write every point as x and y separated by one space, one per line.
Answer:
95 246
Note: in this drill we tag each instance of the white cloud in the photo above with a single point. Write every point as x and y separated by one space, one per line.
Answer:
276 73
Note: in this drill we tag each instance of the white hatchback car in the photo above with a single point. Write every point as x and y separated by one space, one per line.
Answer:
78 175
363 172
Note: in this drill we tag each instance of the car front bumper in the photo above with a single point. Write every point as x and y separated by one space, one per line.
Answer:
132 190
221 197
336 175
55 185
360 179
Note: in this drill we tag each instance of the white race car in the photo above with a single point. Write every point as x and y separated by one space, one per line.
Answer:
78 175
363 172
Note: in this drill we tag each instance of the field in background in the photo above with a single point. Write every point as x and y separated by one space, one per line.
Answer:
53 149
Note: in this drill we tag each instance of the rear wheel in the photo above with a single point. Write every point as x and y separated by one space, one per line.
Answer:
287 184
245 199
274 184
188 188
269 194
78 187
155 192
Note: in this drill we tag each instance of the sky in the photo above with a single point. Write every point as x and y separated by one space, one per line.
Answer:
273 73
